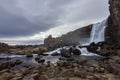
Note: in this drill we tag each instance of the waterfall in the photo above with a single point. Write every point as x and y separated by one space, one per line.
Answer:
97 35
98 31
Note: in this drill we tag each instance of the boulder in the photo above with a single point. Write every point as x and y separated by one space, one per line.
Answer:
38 58
76 52
17 62
9 64
29 55
93 48
55 54
66 53
41 61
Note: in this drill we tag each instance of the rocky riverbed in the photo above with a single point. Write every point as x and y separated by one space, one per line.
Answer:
82 69
67 66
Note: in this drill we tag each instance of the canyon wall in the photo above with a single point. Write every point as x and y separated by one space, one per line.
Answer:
72 38
112 32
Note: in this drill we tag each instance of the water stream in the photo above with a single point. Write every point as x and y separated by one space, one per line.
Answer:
97 35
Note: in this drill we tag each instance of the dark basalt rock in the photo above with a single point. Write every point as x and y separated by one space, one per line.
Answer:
74 51
29 55
42 54
38 57
55 54
9 64
66 53
92 48
41 60
71 38
112 33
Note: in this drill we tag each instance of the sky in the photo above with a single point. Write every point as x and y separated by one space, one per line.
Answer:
31 21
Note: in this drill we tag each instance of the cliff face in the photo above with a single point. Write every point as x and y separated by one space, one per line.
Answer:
71 38
113 30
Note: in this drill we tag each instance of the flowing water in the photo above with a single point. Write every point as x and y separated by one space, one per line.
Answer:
98 31
97 35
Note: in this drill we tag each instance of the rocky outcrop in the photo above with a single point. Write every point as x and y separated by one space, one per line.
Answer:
113 29
71 38
82 69
4 47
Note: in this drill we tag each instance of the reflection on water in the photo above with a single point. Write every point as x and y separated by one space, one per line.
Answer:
31 60
26 60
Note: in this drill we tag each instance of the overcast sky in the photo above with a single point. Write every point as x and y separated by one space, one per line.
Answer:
30 21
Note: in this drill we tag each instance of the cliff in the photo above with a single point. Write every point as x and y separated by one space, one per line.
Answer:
71 38
112 32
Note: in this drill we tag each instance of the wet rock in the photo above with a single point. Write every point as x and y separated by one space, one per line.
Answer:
100 44
105 52
44 54
9 64
38 58
92 48
67 59
76 52
109 50
41 61
17 62
55 54
49 64
65 53
29 55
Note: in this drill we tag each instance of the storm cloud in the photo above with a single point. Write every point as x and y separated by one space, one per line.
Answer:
31 18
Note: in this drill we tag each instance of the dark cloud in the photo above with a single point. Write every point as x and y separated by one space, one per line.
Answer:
13 25
22 18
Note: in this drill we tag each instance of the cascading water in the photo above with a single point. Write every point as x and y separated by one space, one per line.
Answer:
97 35
98 31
